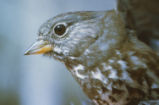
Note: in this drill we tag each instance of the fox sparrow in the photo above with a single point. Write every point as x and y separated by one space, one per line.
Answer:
111 65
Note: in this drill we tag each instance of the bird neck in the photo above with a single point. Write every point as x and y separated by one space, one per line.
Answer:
93 56
109 42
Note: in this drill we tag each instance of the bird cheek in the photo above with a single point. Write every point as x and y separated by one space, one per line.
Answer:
57 49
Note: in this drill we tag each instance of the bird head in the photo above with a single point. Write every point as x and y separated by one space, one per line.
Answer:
67 34
75 34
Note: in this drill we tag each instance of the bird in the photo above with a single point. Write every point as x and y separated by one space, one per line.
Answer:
110 63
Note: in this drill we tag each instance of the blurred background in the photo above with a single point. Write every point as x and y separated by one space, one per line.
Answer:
36 80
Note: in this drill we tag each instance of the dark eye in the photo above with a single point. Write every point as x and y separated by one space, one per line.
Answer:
60 29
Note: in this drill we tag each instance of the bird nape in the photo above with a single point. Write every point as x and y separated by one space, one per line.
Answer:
108 61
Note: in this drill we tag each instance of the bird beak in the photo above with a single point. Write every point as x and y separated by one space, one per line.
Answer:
39 47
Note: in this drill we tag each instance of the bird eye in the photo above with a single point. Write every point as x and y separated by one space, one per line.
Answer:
60 29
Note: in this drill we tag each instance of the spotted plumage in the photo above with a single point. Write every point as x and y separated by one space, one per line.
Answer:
111 65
